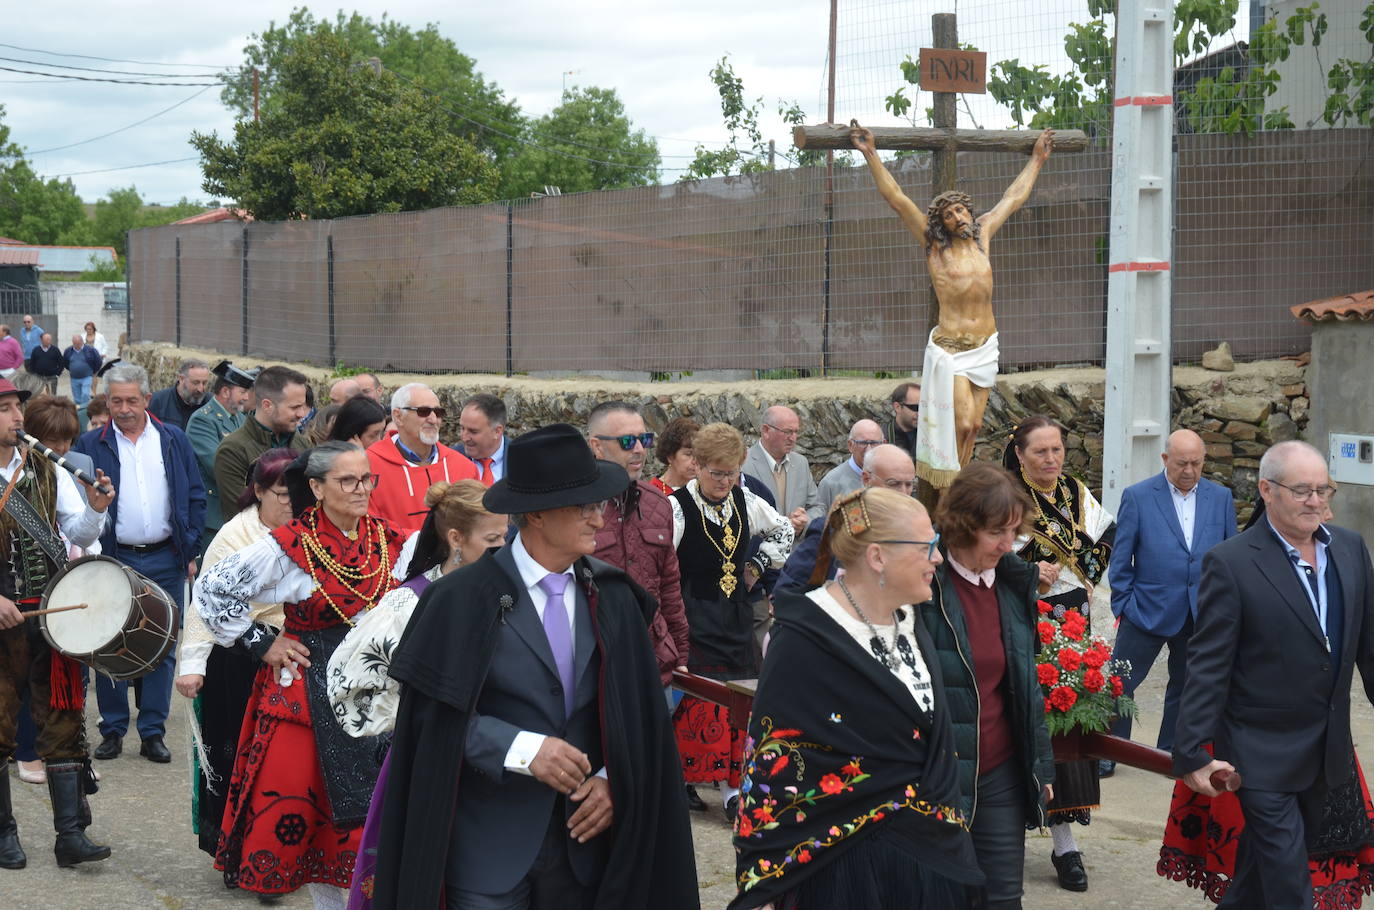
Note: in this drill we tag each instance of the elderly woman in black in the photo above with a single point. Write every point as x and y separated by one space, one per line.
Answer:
850 795
982 619
1070 543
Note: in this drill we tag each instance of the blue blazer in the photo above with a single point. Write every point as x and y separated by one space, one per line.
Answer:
185 489
1153 574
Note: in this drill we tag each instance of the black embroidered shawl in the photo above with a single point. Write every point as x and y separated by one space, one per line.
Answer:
838 749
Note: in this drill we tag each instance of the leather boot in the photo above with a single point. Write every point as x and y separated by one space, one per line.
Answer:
11 854
72 846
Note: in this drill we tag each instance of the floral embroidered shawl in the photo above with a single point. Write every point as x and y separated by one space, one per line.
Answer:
837 748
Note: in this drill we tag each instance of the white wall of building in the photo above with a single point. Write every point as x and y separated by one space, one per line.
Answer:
75 303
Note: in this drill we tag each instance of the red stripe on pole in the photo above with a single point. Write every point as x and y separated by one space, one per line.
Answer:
1138 267
1144 100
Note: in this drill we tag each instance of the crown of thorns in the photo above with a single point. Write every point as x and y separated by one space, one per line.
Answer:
947 199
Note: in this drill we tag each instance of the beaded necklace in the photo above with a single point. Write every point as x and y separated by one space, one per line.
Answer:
314 551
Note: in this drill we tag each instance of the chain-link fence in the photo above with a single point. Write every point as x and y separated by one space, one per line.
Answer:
774 272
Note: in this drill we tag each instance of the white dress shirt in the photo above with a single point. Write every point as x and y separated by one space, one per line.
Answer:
77 521
985 578
145 506
1185 507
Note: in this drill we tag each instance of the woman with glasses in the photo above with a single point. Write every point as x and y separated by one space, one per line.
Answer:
220 679
982 621
301 785
714 519
674 452
1070 544
851 787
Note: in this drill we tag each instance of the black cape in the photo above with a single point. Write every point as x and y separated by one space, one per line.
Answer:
442 661
842 762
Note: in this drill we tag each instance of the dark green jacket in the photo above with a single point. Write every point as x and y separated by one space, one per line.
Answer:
235 456
943 615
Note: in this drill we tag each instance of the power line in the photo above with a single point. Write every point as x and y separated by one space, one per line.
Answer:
128 167
59 148
34 50
10 69
92 69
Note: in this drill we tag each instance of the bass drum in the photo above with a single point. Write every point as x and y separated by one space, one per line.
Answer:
128 626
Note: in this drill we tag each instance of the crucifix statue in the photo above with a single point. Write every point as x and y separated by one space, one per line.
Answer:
960 364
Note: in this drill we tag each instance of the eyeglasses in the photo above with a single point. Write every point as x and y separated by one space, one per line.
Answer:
900 486
866 443
283 496
913 408
722 476
353 484
930 545
627 442
1302 494
781 430
424 411
588 509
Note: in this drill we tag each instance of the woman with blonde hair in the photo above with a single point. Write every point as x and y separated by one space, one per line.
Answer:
851 795
714 519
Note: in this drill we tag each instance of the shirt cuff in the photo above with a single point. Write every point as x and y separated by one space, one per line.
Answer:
522 751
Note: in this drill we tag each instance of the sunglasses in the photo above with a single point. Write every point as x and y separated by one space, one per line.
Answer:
424 411
913 408
627 442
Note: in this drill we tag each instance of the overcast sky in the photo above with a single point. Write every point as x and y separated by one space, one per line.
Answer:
657 55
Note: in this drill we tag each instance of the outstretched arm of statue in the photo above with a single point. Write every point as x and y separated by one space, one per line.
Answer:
1020 189
912 216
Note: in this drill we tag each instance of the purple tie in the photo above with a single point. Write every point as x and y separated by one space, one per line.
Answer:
557 628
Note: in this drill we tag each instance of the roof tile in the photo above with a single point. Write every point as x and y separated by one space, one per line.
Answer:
1358 306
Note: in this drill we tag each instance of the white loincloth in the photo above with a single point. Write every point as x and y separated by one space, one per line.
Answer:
937 448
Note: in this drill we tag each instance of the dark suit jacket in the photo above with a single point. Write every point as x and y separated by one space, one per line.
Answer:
1261 685
1154 574
502 815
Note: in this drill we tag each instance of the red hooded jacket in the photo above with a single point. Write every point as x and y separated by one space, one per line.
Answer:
401 485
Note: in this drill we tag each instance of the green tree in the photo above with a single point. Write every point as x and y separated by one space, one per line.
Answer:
585 143
32 209
342 139
747 151
122 210
479 110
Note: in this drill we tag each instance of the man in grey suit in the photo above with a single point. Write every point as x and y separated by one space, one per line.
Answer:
848 476
1284 617
773 460
533 764
1165 525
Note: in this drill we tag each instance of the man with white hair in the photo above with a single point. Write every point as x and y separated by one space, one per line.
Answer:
886 466
847 477
411 459
1283 618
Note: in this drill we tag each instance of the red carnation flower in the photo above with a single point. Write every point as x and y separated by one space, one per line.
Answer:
832 784
1044 607
1093 680
1062 697
1069 659
1117 688
1048 674
1094 658
1075 626
1047 706
1046 632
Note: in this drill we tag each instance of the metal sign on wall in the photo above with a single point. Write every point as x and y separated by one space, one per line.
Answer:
954 71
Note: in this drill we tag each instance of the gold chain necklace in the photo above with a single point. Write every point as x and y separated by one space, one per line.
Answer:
726 548
312 547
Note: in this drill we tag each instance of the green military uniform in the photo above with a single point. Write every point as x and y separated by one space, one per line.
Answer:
206 429
235 457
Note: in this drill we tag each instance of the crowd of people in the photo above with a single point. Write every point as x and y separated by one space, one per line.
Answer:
433 674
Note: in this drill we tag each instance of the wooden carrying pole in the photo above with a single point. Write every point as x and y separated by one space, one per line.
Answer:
832 136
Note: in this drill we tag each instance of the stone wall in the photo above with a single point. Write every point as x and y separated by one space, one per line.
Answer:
1239 413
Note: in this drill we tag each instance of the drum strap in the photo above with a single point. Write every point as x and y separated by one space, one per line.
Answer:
33 524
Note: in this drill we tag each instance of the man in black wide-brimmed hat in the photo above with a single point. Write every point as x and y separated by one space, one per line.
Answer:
533 764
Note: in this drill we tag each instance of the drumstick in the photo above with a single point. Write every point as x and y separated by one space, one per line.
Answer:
28 614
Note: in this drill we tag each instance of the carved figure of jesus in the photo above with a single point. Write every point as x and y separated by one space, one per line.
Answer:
961 354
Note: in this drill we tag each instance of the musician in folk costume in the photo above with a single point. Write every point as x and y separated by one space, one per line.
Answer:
38 502
301 785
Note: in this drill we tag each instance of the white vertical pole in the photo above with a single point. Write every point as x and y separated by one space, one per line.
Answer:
1139 363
